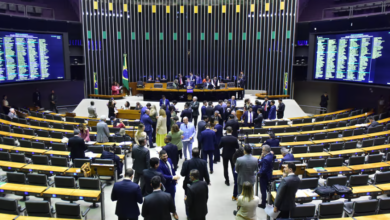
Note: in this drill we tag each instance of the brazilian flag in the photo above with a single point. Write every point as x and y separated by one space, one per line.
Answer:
95 83
125 75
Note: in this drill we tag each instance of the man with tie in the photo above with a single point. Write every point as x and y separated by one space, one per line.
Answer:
265 172
209 143
272 111
266 106
233 124
195 110
171 150
229 143
186 113
247 117
257 106
147 121
233 103
215 83
164 101
189 84
220 109
203 109
192 78
280 110
167 170
241 84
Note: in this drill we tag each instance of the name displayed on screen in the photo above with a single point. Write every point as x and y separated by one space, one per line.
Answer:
30 57
358 57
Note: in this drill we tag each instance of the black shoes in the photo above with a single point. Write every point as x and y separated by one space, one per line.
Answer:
227 183
261 206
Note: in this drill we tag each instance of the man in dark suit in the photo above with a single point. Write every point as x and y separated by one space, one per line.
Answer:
228 111
272 141
109 153
158 205
148 174
147 121
166 168
248 117
164 101
241 84
234 125
186 113
180 80
209 143
215 83
280 110
210 110
324 102
217 117
176 119
189 84
192 78
286 156
77 146
203 109
127 194
169 115
220 109
194 163
201 127
257 106
373 123
243 78
197 196
272 111
229 144
266 107
285 197
195 110
218 129
258 122
171 150
37 98
141 158
53 101
233 103
265 173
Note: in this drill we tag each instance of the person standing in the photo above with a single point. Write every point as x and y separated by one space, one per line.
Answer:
6 105
195 110
272 111
229 144
127 194
158 205
171 150
53 101
233 103
188 136
177 136
147 121
111 108
219 108
102 132
140 133
285 197
143 109
256 107
201 127
153 115
258 122
234 125
210 110
248 117
217 117
164 101
186 113
148 174
196 198
84 132
77 146
237 154
92 110
218 129
241 84
161 128
324 102
246 167
247 203
203 109
243 78
173 115
266 106
37 98
265 173
141 158
280 110
209 143
168 117
168 171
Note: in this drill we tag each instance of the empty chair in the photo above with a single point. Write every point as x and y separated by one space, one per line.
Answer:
330 210
358 180
56 134
91 184
96 149
49 116
319 119
332 180
384 205
287 138
103 161
59 161
28 131
69 119
270 123
291 129
358 131
361 120
4 156
247 139
334 162
34 123
361 207
57 117
296 121
319 136
114 130
387 158
307 128
308 183
318 127
375 158
77 163
356 160
303 211
247 130
276 150
282 122
316 148
18 130
315 163
58 126
119 139
37 179
353 122
38 208
38 145
371 130
16 178
65 182
10 206
299 149
383 177
303 137
42 133
336 146
307 120
44 124
59 146
388 126
342 124
69 211
347 133
16 157
331 135
9 141
34 114
278 130
367 143
22 121
6 128
40 159
379 128
255 131
68 127
39 115
379 141
332 125
328 118
79 120
350 145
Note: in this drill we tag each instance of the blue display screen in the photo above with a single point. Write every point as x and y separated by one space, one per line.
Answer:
31 57
359 57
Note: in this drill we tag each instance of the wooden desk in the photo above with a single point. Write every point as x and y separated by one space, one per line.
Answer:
94 133
121 156
370 167
373 217
58 192
52 121
40 218
27 150
299 117
25 188
366 190
7 216
276 174
305 156
329 171
297 198
328 140
74 172
384 187
23 136
6 165
356 137
4 147
86 194
376 134
314 132
47 139
334 113
58 153
376 149
277 134
349 152
295 143
277 126
45 169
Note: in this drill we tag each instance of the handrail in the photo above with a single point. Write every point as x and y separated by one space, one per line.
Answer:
352 7
25 14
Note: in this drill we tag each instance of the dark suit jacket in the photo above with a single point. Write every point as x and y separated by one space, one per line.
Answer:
258 122
77 147
209 111
194 163
219 133
272 142
241 84
127 194
197 196
219 108
281 108
245 118
171 150
147 121
233 104
324 101
53 99
203 109
229 144
141 158
186 113
195 108
167 174
235 126
373 124
201 127
285 197
266 166
158 206
166 103
37 97
208 140
115 158
288 157
272 112
148 174
254 109
168 113
268 105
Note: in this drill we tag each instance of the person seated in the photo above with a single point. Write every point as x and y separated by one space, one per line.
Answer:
109 153
272 141
122 133
189 84
115 88
157 80
287 156
12 113
84 132
175 84
150 79
138 106
373 123
215 83
180 80
206 80
118 124
126 106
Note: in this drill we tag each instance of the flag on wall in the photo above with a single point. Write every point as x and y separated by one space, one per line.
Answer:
95 83
125 76
285 83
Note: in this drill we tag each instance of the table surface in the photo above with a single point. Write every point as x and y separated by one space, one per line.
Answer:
356 137
373 217
23 188
369 166
349 151
306 155
379 147
12 164
365 189
57 152
333 113
378 133
7 216
384 187
295 143
40 218
45 168
59 191
31 150
327 140
329 170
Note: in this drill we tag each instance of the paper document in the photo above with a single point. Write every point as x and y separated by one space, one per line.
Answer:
47 111
90 154
300 194
90 142
125 143
310 192
269 210
186 140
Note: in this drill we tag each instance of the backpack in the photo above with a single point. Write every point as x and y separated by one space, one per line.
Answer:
342 190
324 191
